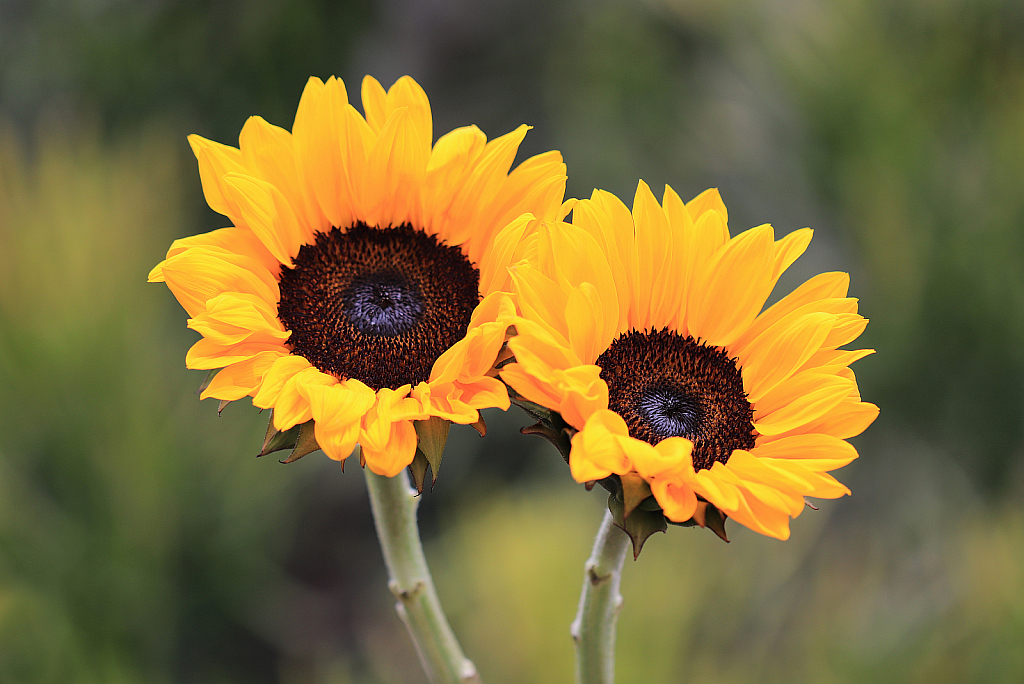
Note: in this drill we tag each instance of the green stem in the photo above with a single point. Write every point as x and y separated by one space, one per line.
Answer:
394 505
593 630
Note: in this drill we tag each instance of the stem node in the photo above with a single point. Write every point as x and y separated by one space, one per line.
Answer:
394 505
593 630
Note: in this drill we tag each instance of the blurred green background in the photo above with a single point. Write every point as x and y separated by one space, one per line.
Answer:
140 541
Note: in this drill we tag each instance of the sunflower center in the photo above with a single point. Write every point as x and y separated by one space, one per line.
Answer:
382 303
377 304
666 385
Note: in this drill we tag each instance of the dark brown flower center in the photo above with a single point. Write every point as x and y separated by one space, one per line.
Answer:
377 304
666 385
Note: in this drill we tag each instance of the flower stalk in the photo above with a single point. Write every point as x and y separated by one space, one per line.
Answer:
394 505
593 630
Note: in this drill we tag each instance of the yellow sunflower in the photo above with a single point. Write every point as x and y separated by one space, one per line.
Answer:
360 285
645 331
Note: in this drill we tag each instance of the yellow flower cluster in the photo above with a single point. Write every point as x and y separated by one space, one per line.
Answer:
372 276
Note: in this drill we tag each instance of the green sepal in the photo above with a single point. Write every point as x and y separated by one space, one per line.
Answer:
708 516
222 405
480 426
418 469
208 379
649 504
276 440
639 525
635 490
433 435
550 425
559 439
305 443
714 520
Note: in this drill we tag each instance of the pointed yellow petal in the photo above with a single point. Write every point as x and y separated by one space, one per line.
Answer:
788 249
494 273
833 359
848 419
761 518
848 327
820 287
677 276
395 168
573 257
731 288
338 411
709 200
819 452
282 370
241 379
407 94
590 215
715 486
749 467
596 449
798 401
318 139
540 299
708 236
215 161
473 200
782 350
451 161
234 318
268 215
655 244
204 354
198 274
375 103
584 318
269 155
234 240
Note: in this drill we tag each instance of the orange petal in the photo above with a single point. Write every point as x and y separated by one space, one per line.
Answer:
241 379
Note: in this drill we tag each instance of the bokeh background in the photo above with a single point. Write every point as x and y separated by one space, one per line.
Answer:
140 541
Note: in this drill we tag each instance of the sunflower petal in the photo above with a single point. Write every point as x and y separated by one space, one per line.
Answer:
730 289
798 401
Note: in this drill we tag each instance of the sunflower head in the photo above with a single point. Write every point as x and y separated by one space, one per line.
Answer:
644 350
359 292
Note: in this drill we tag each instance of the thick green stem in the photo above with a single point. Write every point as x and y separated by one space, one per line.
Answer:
394 505
593 630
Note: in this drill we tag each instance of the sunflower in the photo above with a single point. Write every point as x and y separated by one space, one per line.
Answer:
361 283
644 330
